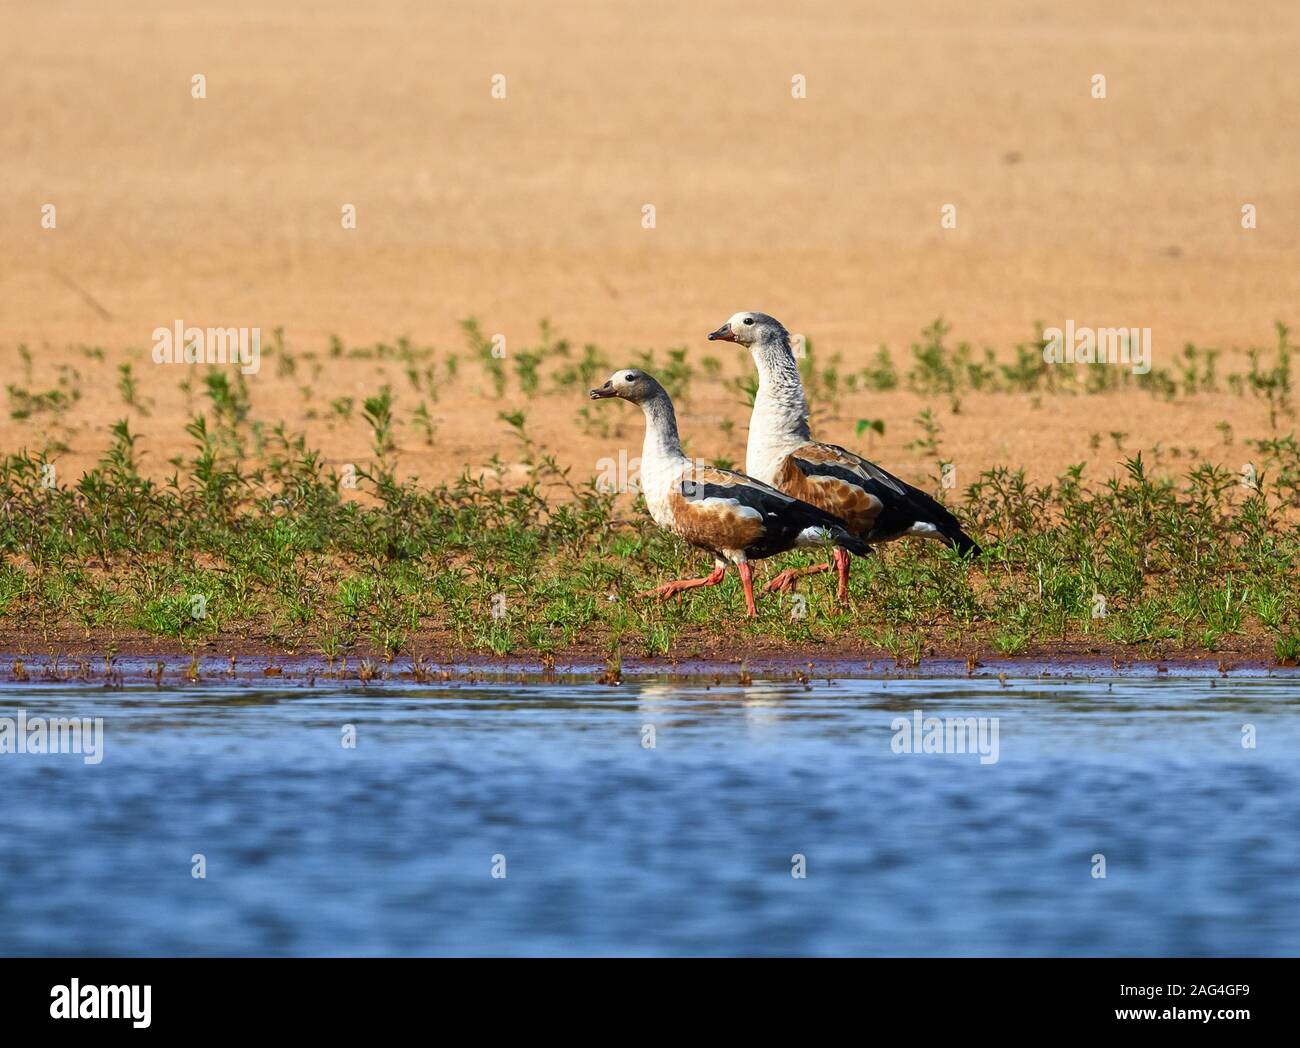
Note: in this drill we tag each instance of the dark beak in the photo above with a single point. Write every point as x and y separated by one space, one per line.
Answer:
607 390
723 334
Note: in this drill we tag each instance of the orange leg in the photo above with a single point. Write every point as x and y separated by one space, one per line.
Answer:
785 580
672 589
842 559
747 580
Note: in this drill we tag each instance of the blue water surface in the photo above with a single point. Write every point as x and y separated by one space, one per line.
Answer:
686 847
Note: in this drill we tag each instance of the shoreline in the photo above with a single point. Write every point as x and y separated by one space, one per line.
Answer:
175 670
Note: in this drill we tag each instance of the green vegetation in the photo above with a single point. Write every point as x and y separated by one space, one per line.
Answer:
255 537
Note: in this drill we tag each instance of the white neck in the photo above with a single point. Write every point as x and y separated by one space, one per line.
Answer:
662 460
779 423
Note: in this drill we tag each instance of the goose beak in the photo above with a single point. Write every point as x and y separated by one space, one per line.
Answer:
607 390
723 334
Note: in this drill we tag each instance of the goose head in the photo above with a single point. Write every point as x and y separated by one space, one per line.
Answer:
751 329
629 384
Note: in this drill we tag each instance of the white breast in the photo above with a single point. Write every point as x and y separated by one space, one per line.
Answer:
773 435
763 459
658 479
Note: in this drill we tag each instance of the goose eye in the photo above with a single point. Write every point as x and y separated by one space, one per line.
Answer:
629 377
749 320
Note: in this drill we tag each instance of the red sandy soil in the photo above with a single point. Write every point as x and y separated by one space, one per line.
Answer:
824 211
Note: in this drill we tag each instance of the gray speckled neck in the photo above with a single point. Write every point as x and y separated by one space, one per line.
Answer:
779 406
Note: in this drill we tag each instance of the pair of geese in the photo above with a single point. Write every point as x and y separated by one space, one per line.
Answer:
796 492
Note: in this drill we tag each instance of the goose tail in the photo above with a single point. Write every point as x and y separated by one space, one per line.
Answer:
960 541
950 533
946 527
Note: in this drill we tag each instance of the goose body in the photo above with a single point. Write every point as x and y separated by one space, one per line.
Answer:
732 516
874 504
736 517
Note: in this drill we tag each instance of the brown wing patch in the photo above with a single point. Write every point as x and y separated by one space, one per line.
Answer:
711 475
823 453
713 524
854 505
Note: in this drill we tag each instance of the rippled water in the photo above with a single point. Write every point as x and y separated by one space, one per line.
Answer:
611 846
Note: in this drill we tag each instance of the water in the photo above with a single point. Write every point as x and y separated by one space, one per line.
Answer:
611 847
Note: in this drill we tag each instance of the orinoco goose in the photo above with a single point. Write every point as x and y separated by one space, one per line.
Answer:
876 505
736 518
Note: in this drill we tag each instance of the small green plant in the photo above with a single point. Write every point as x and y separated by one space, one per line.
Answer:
928 442
377 411
24 404
1287 649
130 388
423 422
488 352
869 426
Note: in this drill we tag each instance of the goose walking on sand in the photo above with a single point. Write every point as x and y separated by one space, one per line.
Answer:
734 517
877 506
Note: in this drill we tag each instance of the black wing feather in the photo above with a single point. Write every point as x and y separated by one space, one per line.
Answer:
784 517
903 505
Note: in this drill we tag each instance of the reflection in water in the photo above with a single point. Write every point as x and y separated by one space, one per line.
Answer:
678 840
